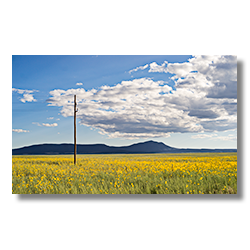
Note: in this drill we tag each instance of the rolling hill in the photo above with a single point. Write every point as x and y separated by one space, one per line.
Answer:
137 148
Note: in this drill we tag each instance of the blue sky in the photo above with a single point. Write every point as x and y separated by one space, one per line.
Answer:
183 101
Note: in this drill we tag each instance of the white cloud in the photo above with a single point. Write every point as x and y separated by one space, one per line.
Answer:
144 108
50 118
138 68
154 67
226 138
132 109
20 130
179 69
27 98
50 125
36 123
215 137
202 136
19 91
216 76
79 83
27 94
45 124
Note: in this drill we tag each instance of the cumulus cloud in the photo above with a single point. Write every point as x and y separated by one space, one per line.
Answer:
27 94
154 67
27 98
79 83
20 130
50 118
138 68
144 108
50 125
216 76
203 113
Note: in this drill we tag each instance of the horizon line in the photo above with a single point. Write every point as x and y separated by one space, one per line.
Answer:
115 146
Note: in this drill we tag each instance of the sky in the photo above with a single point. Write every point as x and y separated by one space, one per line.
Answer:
184 101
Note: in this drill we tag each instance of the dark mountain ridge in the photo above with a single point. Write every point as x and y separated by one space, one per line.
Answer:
137 148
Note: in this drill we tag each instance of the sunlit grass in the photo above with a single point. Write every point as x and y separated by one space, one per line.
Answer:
204 173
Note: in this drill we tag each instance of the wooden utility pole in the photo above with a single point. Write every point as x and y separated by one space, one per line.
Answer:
75 129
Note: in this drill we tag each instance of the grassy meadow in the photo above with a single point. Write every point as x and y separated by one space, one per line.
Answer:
201 173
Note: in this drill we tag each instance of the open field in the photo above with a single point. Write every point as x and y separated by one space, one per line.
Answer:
203 173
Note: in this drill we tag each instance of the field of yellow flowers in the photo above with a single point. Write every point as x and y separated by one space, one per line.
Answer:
211 173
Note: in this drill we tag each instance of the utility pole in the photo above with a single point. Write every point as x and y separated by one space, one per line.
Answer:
75 129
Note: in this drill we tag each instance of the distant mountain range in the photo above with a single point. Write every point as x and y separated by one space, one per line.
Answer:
137 148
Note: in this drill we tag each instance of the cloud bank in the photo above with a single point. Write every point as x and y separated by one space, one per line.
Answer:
204 99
